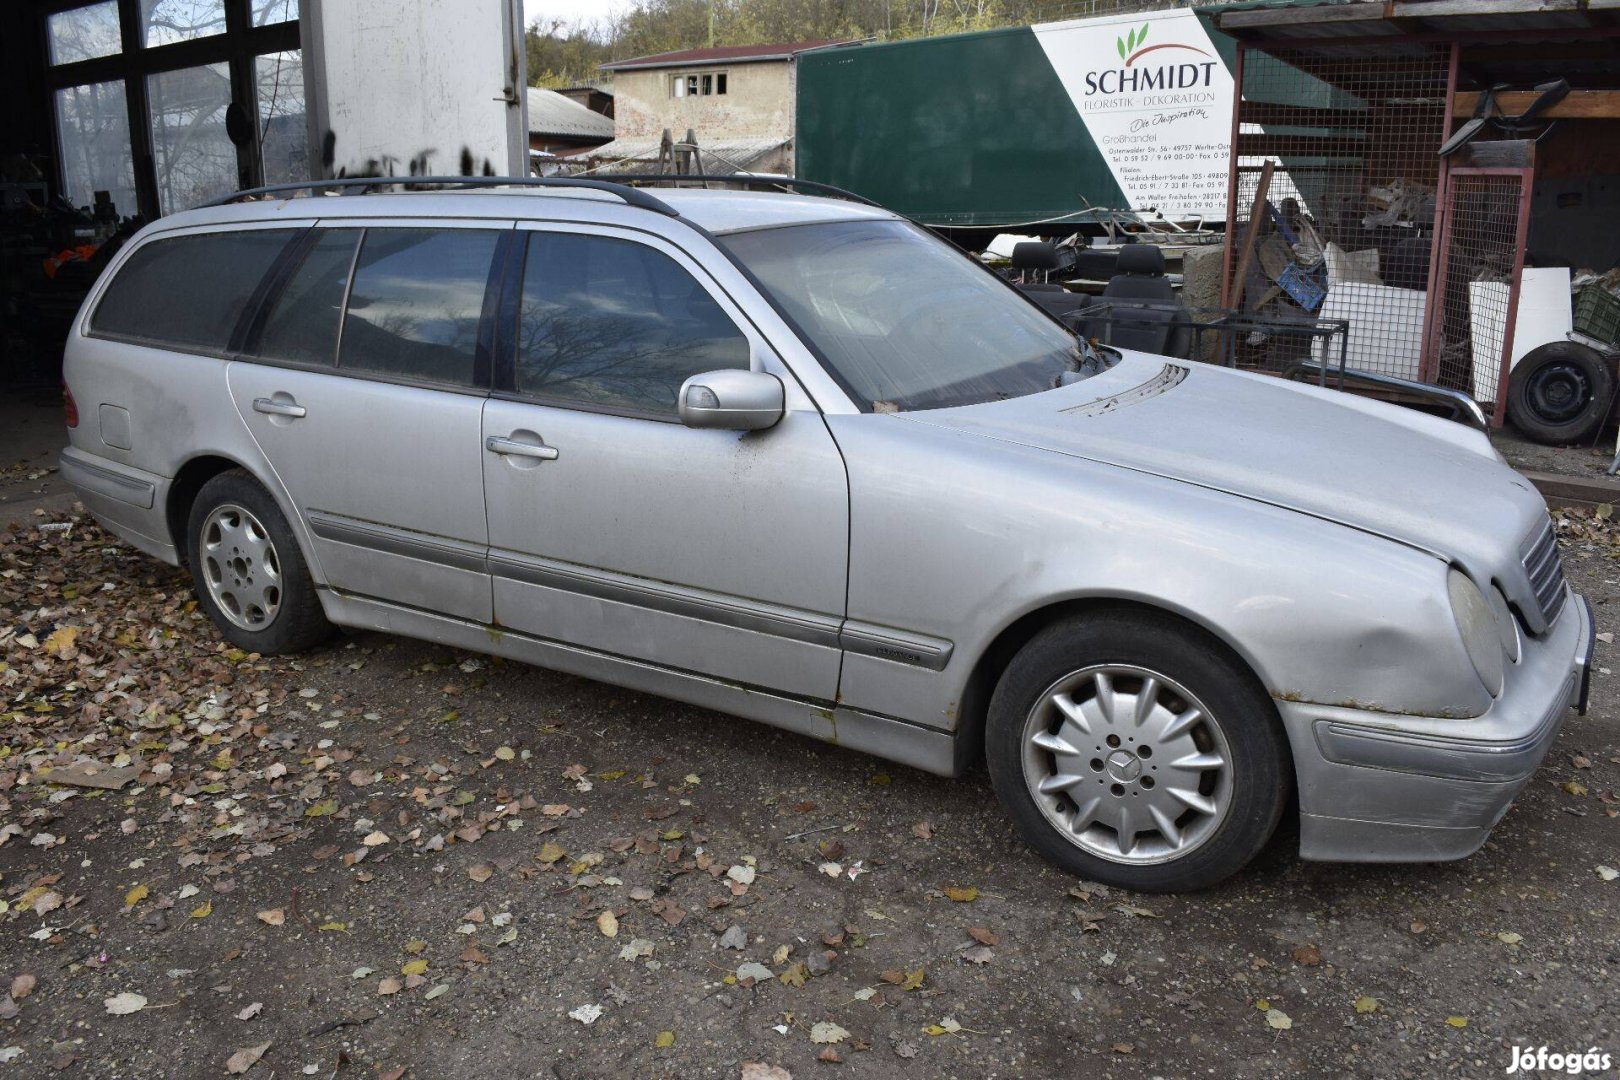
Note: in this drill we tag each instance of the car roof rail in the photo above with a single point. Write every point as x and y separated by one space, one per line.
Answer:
763 180
359 184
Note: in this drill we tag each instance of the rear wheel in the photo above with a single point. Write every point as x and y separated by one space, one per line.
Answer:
1561 393
247 569
1134 750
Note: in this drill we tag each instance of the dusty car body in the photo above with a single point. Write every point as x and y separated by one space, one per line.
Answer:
1316 582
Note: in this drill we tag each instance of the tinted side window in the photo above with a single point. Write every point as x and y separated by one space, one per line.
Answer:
415 303
188 291
617 325
302 324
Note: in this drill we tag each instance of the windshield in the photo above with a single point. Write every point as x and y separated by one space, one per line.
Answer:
904 320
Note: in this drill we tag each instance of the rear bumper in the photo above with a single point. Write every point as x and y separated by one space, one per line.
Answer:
129 503
1382 787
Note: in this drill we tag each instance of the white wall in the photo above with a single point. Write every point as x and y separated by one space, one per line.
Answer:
430 87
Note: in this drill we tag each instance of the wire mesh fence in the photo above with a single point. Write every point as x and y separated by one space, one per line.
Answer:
1333 198
1480 251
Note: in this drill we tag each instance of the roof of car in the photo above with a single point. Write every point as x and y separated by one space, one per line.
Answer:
718 211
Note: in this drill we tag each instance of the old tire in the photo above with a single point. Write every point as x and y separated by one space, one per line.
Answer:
248 571
1560 393
1138 751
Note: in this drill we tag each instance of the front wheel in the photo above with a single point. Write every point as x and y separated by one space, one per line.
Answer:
1134 750
248 571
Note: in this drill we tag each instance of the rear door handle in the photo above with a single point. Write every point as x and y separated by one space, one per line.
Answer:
272 407
497 444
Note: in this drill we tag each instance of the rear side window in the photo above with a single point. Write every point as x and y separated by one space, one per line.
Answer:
415 304
302 325
616 325
188 291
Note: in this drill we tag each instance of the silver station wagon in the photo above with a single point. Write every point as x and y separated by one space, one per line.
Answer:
797 460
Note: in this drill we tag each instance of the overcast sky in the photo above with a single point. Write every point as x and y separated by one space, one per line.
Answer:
571 10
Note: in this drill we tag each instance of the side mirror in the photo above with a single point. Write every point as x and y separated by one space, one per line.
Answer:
733 399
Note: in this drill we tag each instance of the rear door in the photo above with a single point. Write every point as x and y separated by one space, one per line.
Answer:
616 528
368 374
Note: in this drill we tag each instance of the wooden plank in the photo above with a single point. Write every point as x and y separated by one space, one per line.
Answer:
1495 154
1339 146
1267 112
1584 491
1432 9
1335 13
1257 211
1579 105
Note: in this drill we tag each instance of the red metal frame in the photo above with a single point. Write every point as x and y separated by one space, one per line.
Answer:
1440 242
1434 305
1232 180
1527 184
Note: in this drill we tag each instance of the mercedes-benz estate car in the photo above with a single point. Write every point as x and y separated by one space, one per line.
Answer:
795 459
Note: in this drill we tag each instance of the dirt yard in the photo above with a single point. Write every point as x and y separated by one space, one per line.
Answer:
388 859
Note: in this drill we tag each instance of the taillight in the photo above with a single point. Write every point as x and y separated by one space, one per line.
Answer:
70 406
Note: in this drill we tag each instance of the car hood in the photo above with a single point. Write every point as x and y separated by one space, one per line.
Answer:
1426 482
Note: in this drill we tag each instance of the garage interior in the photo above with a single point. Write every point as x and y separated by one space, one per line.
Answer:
1454 270
119 111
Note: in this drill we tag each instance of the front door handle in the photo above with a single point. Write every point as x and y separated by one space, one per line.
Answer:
496 444
272 407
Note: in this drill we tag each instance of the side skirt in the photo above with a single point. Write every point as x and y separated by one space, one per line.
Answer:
909 744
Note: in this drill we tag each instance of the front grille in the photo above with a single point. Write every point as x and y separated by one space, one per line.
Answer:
1546 572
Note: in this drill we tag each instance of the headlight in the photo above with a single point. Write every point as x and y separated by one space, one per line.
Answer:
1507 627
1477 625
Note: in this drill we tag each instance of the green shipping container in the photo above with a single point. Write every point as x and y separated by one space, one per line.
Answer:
1017 127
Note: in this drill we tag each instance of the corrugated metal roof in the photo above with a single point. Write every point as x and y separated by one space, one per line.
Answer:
552 114
727 54
720 157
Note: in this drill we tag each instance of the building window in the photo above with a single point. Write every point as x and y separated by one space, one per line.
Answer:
270 12
701 84
195 158
282 140
84 33
168 21
93 126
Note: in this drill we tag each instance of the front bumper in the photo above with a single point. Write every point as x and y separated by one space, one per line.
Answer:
1384 787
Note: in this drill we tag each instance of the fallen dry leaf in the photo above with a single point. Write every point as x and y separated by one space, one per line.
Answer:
273 917
125 1003
245 1059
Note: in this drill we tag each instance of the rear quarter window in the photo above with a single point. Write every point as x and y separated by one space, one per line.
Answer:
188 291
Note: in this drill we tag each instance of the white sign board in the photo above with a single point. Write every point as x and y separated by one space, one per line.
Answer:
416 87
1157 99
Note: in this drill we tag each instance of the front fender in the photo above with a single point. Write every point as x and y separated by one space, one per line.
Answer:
958 537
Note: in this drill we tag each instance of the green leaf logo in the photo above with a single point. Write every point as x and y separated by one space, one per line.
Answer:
1130 41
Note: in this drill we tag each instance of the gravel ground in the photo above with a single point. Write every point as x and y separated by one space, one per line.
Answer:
385 858
1590 462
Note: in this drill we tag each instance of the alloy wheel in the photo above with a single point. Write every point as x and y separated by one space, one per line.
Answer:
1126 764
240 567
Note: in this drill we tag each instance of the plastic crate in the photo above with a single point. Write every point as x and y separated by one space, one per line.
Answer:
1597 313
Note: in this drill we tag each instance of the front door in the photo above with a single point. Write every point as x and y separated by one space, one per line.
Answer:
369 411
615 528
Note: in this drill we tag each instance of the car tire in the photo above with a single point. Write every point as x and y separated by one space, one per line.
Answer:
1077 735
248 571
1561 393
